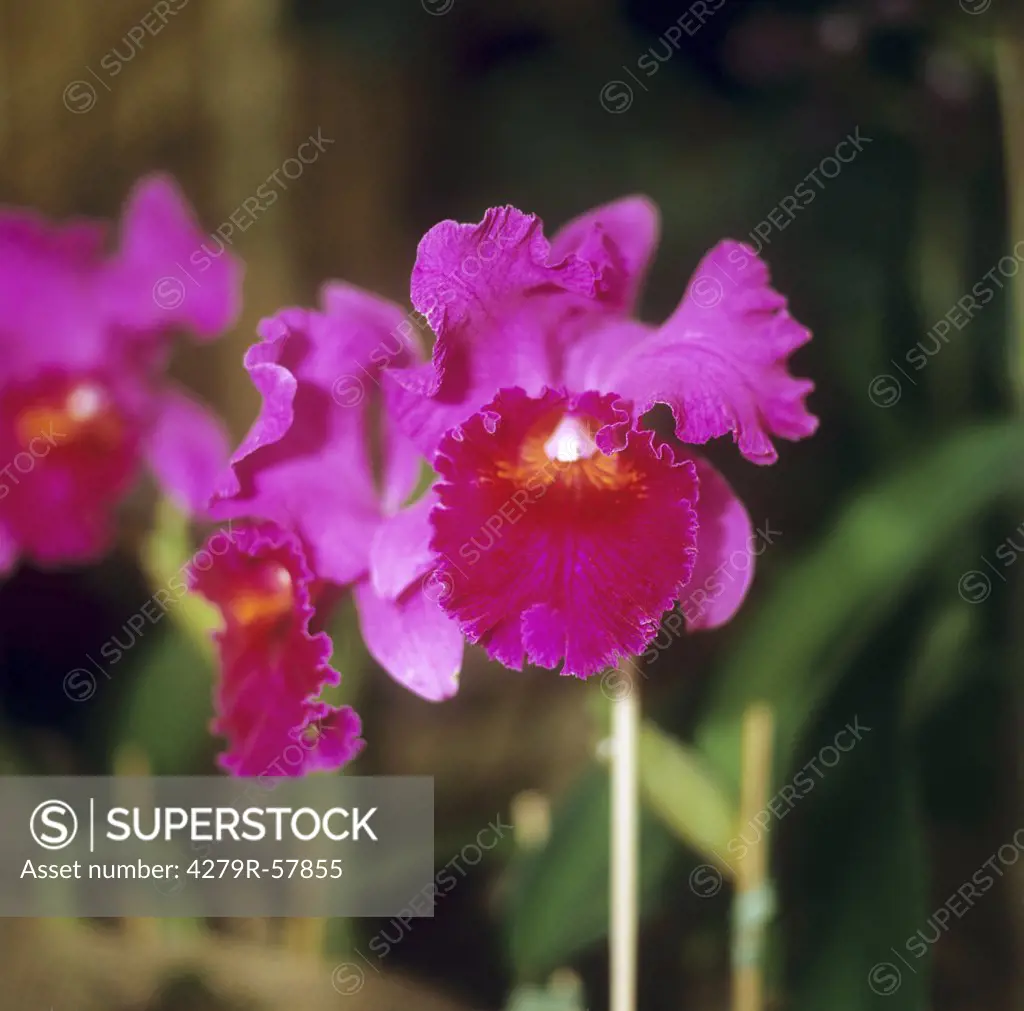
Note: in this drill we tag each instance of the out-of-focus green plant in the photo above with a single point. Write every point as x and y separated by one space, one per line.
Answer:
167 712
797 646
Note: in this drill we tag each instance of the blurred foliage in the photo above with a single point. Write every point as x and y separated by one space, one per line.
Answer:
559 896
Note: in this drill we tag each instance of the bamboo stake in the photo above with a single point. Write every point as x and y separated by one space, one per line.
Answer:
753 897
625 846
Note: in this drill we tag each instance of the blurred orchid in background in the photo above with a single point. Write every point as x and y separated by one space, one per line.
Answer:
84 399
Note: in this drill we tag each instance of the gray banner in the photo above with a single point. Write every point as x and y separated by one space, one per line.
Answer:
214 846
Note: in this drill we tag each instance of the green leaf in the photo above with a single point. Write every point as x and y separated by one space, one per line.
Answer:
424 481
676 783
678 786
165 553
941 664
559 894
800 640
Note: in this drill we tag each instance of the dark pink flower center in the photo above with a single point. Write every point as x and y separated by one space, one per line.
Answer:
262 598
66 414
69 451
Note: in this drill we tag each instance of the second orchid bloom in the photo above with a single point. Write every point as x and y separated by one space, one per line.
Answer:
560 529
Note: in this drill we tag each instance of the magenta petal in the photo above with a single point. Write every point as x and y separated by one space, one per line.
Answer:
403 468
400 551
619 239
403 465
77 244
412 639
52 317
330 737
720 361
272 669
187 449
381 336
421 416
380 333
498 303
545 560
471 280
167 272
594 356
726 551
304 463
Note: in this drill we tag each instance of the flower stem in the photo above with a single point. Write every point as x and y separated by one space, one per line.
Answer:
625 845
753 902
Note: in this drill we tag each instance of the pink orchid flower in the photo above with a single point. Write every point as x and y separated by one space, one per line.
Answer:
564 529
84 399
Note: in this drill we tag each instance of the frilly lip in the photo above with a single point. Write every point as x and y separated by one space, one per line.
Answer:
272 674
581 575
257 540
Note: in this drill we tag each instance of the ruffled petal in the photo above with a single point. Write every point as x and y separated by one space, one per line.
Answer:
272 668
726 550
400 550
412 639
305 461
330 737
552 548
720 361
187 449
167 272
498 303
619 239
